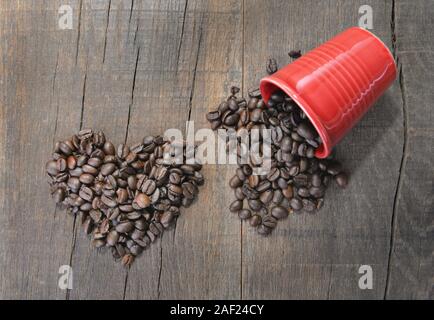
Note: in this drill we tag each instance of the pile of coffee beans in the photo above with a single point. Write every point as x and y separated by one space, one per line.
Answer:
297 180
125 196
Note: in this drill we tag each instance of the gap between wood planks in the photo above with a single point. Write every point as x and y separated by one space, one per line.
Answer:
404 148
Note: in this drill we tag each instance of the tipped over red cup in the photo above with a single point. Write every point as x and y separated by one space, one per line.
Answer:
336 83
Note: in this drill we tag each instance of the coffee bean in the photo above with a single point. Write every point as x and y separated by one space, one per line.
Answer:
269 222
236 206
108 169
341 180
254 204
255 220
279 212
86 178
244 214
296 204
235 182
142 200
86 193
264 230
59 195
125 227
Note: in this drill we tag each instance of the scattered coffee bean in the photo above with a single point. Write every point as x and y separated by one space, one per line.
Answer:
297 181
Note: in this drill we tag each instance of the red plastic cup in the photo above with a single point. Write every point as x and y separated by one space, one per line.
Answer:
336 83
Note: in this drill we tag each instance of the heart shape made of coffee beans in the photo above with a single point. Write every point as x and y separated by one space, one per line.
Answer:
126 196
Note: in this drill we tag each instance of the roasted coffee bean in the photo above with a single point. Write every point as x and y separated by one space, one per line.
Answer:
59 195
107 169
296 204
266 196
255 220
254 204
212 116
269 222
279 212
125 227
264 230
235 182
294 54
244 214
86 178
341 180
309 205
236 206
142 200
149 187
51 168
271 66
233 105
86 193
306 130
231 119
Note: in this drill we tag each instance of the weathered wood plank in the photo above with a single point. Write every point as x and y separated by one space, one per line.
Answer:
107 55
39 104
319 256
194 56
411 258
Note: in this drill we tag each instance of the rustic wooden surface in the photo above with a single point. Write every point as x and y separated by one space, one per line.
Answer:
135 67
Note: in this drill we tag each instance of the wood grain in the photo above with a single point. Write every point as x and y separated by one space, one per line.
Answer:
411 257
318 257
192 72
133 68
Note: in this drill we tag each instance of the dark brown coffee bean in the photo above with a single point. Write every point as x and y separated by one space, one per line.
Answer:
74 184
264 230
303 192
231 119
125 227
233 105
271 66
236 206
96 215
107 169
149 187
244 214
254 204
253 181
65 148
89 169
86 178
273 174
86 193
279 212
309 205
108 201
266 196
269 222
59 195
112 238
235 182
296 204
341 180
142 200
51 168
306 130
255 220
212 116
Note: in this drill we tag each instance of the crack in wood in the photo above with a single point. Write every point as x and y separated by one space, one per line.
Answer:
133 86
242 90
106 29
403 157
78 32
182 35
161 267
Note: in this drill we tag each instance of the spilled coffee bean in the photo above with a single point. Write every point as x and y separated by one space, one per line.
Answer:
297 181
125 196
